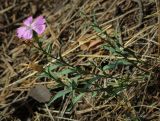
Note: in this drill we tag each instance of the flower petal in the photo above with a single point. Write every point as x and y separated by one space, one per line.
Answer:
39 29
20 31
28 34
28 21
39 21
38 25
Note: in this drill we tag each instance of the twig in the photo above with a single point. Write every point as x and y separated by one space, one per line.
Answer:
158 32
6 9
141 15
11 24
50 115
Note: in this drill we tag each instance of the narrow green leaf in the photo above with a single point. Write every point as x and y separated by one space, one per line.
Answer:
123 62
54 66
59 94
49 48
55 77
77 98
109 67
65 72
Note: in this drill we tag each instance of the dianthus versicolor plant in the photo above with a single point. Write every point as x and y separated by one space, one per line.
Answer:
72 78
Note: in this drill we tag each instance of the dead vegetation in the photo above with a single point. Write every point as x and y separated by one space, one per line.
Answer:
138 28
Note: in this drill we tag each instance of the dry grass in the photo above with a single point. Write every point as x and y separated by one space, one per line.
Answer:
67 28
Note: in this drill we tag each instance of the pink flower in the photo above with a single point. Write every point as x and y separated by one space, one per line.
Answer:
30 25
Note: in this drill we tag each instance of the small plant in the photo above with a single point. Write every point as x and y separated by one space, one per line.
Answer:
72 78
